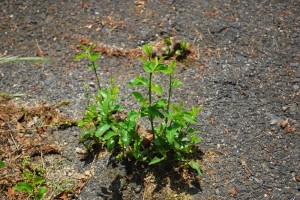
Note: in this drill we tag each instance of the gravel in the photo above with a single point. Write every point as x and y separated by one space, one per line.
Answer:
249 84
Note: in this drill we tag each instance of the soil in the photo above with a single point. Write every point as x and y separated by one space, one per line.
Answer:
245 72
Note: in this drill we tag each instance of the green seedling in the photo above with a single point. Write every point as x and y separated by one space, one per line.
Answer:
32 181
99 123
93 57
179 50
173 136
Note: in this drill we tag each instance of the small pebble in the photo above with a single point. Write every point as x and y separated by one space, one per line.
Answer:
284 108
293 64
296 87
296 80
297 74
49 80
137 189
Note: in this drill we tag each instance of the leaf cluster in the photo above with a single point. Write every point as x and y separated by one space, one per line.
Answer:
178 50
32 182
170 136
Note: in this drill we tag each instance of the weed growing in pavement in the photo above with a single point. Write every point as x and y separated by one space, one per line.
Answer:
32 181
179 50
170 135
92 56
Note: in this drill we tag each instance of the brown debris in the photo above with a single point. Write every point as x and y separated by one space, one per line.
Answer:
21 136
139 6
133 52
232 192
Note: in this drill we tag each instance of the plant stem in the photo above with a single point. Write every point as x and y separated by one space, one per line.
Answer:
97 78
150 104
169 98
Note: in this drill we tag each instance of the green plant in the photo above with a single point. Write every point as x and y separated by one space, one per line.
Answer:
170 135
179 50
173 136
100 122
32 181
93 57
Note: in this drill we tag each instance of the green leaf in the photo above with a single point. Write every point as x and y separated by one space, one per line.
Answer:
83 47
115 90
95 56
38 181
2 164
27 174
179 157
171 136
85 135
147 49
140 80
161 103
176 83
23 187
178 52
172 65
163 68
195 139
189 117
196 110
155 112
136 149
149 67
195 165
117 107
125 138
80 56
91 66
191 131
132 115
104 107
89 49
168 41
184 45
109 134
41 192
110 144
139 97
157 88
103 93
172 133
102 130
156 160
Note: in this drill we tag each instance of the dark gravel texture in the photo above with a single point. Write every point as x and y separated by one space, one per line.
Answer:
249 82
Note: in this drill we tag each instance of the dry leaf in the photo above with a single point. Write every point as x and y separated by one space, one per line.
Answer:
202 67
40 130
297 177
284 123
197 75
212 120
232 192
80 150
10 192
63 195
290 130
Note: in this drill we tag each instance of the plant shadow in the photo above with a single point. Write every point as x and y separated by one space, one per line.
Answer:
163 180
